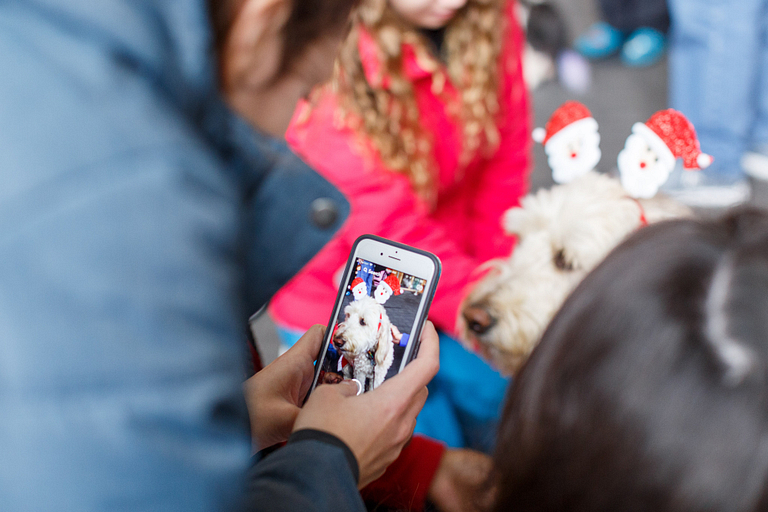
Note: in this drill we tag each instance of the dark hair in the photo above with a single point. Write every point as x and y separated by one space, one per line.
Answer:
309 21
649 389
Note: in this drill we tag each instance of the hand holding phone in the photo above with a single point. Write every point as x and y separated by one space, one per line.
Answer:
274 395
375 425
381 307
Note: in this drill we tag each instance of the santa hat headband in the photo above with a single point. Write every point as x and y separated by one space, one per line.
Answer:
671 134
566 115
393 283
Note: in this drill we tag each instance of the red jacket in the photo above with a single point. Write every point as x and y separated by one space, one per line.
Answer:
464 229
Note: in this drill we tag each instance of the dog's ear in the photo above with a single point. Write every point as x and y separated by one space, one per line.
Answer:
384 343
533 214
520 222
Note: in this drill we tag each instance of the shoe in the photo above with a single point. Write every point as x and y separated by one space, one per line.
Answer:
709 188
600 41
644 47
755 162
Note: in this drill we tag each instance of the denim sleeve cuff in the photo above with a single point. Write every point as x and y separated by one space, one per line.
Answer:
325 437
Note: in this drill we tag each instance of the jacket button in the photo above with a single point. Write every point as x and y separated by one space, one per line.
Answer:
323 213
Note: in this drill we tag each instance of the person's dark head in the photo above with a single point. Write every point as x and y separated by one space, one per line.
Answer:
649 389
272 52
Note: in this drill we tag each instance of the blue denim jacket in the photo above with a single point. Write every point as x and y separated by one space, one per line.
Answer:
140 224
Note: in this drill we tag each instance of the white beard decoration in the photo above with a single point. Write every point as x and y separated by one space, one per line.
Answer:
359 291
574 150
643 166
382 293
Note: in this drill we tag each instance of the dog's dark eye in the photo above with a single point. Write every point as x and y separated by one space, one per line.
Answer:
561 262
362 321
346 316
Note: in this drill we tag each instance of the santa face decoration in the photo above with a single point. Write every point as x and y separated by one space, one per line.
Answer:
650 152
360 291
388 287
382 293
643 171
571 141
574 150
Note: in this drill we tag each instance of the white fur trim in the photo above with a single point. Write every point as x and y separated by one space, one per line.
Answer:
581 126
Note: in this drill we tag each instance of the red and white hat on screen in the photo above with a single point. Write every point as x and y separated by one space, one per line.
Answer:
359 288
386 288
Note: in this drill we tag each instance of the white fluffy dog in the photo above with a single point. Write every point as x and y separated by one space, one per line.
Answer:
365 340
563 233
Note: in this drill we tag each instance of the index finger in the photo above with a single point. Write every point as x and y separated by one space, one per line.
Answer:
420 371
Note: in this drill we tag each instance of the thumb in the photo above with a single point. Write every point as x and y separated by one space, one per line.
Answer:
309 344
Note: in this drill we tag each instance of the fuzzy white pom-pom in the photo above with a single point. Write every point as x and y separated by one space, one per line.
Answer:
704 160
539 134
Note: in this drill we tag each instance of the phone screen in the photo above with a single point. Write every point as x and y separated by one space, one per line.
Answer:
372 332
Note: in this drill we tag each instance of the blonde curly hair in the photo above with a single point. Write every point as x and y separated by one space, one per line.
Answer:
388 116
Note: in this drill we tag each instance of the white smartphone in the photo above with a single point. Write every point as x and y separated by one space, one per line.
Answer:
380 310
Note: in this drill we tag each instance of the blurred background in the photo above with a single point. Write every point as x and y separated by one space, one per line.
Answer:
617 95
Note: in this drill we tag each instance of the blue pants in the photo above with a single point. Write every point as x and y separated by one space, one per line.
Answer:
465 397
718 74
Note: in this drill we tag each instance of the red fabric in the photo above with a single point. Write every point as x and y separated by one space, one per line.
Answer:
406 482
465 228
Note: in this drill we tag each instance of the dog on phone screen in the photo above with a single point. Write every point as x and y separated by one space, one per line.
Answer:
562 234
365 340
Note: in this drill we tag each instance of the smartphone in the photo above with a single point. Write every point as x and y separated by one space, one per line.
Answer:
383 301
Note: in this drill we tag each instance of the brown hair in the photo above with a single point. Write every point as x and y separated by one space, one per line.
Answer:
309 21
389 117
648 389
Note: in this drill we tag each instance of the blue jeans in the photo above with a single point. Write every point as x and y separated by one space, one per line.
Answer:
718 74
465 397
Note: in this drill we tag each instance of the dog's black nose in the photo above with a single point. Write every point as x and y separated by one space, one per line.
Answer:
478 319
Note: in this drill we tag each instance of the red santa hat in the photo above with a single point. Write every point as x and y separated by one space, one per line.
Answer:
355 282
393 283
671 134
569 114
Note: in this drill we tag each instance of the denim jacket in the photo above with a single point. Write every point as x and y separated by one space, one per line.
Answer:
140 224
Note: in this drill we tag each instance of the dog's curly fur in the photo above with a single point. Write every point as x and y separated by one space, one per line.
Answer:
365 340
563 233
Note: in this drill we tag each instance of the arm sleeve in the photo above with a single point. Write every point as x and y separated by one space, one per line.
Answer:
315 471
504 178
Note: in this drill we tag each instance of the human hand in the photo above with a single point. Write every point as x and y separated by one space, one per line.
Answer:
275 394
459 482
375 425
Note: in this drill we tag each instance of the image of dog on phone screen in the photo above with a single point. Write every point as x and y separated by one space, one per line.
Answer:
373 327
